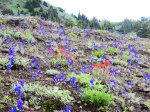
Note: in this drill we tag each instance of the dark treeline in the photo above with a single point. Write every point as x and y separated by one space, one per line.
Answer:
43 9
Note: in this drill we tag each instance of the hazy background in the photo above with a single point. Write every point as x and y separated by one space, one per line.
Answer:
113 10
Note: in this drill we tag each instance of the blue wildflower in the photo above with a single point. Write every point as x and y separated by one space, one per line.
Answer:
70 61
14 44
92 81
124 91
83 69
20 104
104 56
12 60
8 67
62 77
13 109
21 82
113 82
121 52
92 59
129 83
24 44
6 40
11 51
56 79
129 61
73 81
79 89
18 90
68 108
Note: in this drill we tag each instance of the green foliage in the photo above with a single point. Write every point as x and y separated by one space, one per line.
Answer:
119 62
6 98
82 21
106 25
100 31
6 33
98 53
113 50
29 36
96 97
7 11
22 61
62 63
147 104
1 106
148 51
84 80
34 101
10 32
71 34
3 61
52 72
31 4
50 105
70 21
95 23
17 34
125 57
1 20
60 95
45 4
144 29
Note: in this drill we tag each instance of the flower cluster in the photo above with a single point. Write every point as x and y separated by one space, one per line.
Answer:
67 109
113 83
34 63
60 77
147 77
65 53
92 83
102 65
73 81
6 40
18 88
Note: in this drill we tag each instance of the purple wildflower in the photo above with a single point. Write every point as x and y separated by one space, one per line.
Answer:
73 81
13 109
20 104
56 79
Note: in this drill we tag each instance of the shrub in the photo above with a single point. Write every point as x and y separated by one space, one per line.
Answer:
97 97
62 63
125 57
148 51
84 81
7 11
48 92
52 72
113 50
71 34
119 62
98 53
147 104
100 31
3 61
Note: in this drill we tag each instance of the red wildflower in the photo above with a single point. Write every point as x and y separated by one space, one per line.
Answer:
95 65
100 65
107 63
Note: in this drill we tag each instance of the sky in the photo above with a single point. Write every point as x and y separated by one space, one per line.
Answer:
113 10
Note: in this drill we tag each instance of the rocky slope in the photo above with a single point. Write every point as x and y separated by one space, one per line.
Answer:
54 66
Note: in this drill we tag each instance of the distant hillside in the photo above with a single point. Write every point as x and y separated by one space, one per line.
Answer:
46 11
36 8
